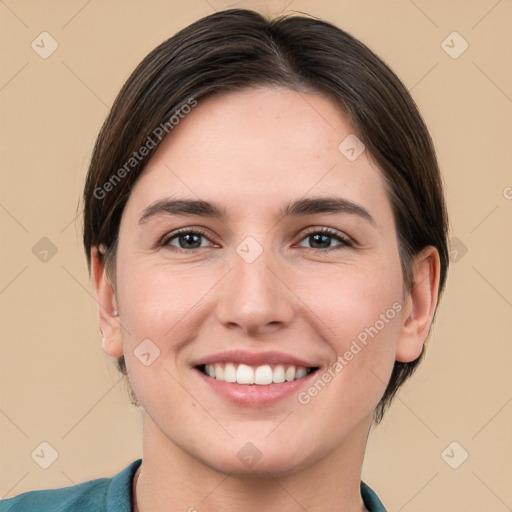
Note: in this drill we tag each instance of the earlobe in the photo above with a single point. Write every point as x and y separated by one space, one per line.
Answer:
420 305
112 347
107 306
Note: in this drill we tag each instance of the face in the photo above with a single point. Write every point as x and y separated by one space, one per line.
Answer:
297 285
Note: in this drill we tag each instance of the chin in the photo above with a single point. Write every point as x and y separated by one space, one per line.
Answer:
249 462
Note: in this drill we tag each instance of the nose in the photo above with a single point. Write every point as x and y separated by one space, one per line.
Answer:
255 297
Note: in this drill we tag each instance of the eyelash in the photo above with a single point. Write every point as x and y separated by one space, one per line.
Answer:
345 241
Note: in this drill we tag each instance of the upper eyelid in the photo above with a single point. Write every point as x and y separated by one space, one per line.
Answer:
173 234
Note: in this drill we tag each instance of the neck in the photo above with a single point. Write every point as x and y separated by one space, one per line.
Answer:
170 479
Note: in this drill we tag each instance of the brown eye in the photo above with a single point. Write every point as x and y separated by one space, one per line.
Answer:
187 239
321 239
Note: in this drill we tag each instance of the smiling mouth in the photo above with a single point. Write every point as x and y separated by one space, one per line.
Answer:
262 375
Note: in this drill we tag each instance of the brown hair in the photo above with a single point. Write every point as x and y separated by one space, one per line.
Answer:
236 49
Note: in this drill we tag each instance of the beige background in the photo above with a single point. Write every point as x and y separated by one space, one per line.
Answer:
57 385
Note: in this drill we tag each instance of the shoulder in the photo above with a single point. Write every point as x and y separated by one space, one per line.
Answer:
85 496
99 495
370 499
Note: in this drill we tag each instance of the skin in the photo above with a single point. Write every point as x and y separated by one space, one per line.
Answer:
252 152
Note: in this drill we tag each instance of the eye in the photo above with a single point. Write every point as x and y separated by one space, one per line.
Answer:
321 237
186 238
191 239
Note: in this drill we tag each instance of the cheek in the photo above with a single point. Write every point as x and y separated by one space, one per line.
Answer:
158 301
358 312
157 306
351 300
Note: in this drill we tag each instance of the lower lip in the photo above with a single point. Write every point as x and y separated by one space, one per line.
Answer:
253 395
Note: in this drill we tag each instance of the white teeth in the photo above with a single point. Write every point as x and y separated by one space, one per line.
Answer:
290 373
219 372
300 372
229 372
278 374
263 375
260 375
244 374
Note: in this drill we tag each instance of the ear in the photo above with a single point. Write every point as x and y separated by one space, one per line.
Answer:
420 305
105 297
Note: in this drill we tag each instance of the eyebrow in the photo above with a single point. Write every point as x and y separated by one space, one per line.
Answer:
300 207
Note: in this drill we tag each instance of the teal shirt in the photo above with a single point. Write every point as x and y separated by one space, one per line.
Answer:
109 495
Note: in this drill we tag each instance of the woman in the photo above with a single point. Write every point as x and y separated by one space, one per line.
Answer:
265 228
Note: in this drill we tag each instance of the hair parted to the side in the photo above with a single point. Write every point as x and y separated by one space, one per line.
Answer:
237 49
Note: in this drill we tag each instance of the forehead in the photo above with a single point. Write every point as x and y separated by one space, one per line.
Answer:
256 150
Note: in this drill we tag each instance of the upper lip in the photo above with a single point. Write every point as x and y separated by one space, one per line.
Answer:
254 358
